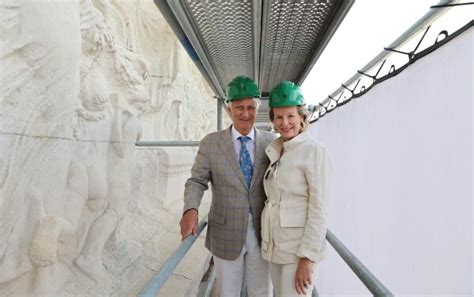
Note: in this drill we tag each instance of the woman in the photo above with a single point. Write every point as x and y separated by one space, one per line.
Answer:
296 184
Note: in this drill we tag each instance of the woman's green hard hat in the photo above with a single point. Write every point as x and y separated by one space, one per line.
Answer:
286 93
242 87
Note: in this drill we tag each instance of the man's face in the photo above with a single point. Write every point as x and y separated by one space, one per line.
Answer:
243 113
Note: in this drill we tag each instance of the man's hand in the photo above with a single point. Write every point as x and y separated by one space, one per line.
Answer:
304 276
189 223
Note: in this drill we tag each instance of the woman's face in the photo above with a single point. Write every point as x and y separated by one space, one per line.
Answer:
287 121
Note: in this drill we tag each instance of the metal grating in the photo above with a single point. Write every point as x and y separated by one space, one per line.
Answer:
262 120
291 34
267 40
226 31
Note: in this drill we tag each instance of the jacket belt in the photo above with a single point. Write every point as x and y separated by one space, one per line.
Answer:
267 221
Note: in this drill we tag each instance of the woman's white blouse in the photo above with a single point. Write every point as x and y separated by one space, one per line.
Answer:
294 220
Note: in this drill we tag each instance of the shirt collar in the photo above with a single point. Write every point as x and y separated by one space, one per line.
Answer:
236 134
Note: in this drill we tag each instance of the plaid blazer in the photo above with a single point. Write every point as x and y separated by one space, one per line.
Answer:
216 162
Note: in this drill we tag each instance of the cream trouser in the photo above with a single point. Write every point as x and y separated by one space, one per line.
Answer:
229 274
283 279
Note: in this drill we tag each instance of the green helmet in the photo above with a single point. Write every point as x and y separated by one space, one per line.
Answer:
242 87
286 93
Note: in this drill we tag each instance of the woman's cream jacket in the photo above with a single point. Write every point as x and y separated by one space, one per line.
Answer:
294 220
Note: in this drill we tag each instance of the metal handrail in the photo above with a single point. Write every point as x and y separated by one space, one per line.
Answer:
206 290
369 280
157 282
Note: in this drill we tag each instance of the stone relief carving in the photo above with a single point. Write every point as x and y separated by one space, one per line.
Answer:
73 102
128 76
38 89
177 95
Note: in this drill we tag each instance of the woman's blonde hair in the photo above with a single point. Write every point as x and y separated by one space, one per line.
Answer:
302 111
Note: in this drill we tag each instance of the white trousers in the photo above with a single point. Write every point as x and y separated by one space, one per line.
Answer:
283 279
229 274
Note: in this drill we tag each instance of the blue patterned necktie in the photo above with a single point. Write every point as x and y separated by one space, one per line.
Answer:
245 161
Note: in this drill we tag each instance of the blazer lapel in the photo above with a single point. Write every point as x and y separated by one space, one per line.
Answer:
227 147
259 152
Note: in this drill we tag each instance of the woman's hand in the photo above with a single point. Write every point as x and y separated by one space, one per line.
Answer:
304 276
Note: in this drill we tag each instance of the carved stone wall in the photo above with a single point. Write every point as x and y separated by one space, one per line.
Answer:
82 210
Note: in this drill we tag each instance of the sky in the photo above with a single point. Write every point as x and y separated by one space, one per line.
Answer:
369 26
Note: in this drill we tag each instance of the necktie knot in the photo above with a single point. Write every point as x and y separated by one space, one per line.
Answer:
244 139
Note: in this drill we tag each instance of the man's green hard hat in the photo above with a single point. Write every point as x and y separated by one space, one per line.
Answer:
242 87
286 93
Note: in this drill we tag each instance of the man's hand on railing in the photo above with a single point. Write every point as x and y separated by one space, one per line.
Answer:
189 223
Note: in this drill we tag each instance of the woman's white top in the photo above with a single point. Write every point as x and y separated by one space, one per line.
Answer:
294 220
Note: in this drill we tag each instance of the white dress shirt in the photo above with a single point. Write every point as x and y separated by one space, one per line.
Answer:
250 144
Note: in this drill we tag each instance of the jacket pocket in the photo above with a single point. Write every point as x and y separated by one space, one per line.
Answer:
293 214
216 217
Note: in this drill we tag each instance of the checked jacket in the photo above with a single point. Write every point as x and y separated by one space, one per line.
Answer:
216 162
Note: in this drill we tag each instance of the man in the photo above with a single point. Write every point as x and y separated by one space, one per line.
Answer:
234 161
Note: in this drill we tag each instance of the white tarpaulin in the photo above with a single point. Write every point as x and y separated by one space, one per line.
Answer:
402 193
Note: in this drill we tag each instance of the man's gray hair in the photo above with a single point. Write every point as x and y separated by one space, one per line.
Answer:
256 100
